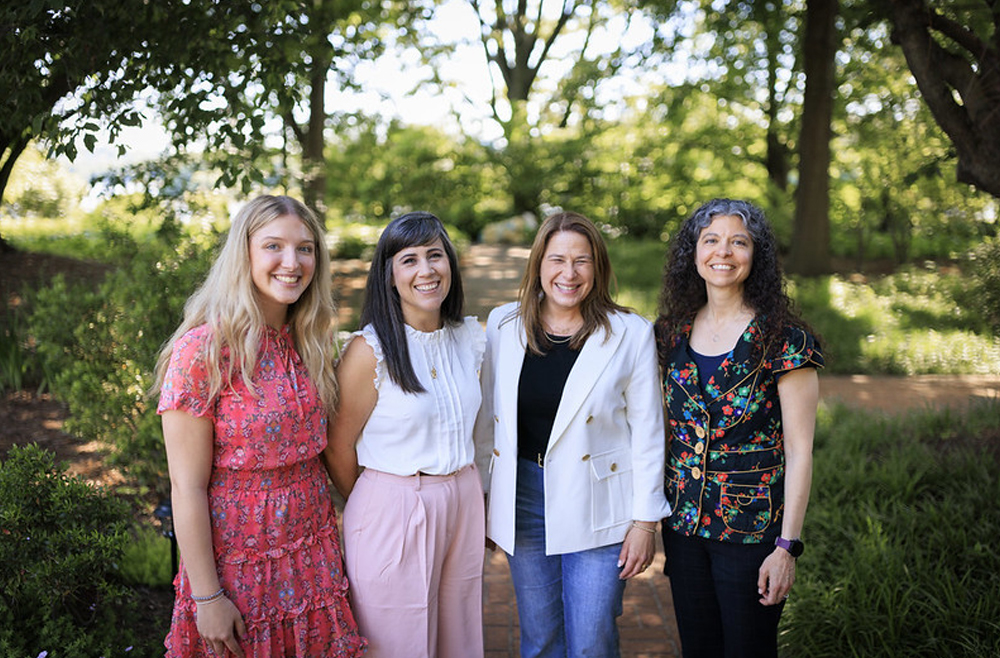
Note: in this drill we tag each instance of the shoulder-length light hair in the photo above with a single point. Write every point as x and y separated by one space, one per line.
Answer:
382 308
595 308
227 302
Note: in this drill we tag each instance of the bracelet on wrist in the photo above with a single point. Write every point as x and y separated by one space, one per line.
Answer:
652 531
210 598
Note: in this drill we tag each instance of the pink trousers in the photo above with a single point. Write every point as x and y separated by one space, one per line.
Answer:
414 549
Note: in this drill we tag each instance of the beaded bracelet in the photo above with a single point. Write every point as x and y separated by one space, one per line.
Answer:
651 531
208 599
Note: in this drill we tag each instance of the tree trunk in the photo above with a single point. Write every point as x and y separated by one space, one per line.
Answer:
948 58
313 160
777 151
810 252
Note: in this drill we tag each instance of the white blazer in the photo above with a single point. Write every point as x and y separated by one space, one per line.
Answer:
604 464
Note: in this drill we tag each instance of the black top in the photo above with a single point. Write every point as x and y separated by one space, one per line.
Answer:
707 365
539 391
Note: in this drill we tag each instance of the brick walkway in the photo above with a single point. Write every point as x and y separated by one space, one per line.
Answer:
647 625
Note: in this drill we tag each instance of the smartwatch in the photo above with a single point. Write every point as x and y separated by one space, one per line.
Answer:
793 546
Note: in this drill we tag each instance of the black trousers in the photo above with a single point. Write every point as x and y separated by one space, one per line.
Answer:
714 587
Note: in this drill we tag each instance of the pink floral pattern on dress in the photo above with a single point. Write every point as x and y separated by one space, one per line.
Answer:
274 528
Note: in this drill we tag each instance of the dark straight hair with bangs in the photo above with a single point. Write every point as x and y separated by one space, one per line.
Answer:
382 308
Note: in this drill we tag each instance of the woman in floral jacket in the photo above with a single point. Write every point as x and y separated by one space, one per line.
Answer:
741 391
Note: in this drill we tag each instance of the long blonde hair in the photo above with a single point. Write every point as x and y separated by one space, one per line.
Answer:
595 308
227 302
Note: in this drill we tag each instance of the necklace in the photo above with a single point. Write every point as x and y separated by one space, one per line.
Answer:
559 341
741 318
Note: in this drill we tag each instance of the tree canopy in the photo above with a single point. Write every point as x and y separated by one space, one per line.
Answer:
717 98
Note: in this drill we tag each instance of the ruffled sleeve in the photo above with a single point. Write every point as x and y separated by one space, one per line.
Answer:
368 333
477 339
185 384
801 350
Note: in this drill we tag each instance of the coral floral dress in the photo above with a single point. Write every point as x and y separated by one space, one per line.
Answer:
277 549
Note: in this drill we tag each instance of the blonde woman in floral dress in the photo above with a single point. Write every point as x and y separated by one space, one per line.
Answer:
246 385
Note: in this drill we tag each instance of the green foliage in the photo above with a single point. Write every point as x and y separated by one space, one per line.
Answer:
101 346
902 555
39 188
61 545
377 172
638 273
984 291
911 322
14 360
147 560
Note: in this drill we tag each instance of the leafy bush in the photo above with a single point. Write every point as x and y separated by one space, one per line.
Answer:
901 530
101 348
61 543
984 293
147 559
14 361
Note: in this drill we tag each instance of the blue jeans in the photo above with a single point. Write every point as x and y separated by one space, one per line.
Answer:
567 604
714 586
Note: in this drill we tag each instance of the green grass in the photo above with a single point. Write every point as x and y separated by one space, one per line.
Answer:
901 530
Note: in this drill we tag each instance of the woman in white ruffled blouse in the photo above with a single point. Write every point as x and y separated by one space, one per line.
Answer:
401 451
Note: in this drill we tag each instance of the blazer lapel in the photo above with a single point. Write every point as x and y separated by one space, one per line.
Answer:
512 342
593 359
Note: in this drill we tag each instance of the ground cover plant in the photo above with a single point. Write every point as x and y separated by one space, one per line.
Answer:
901 530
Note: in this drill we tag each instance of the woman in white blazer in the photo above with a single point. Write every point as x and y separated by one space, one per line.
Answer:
571 434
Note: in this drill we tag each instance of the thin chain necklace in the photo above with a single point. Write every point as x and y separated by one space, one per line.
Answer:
560 341
745 315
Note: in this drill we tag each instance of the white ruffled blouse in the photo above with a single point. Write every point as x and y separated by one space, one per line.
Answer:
429 432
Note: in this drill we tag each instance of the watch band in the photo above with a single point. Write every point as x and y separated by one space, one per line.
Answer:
793 546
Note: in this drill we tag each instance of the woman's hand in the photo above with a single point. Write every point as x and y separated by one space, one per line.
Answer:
776 577
221 626
637 549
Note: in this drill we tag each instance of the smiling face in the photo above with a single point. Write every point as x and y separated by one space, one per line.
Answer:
724 255
422 277
282 264
567 271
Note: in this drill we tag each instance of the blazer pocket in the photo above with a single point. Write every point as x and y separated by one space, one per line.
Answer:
745 508
611 488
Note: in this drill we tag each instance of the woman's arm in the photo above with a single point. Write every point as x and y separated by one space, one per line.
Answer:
358 395
189 443
799 394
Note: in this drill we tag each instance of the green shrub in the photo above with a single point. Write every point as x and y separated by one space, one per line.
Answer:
901 529
14 362
984 293
101 347
147 559
61 544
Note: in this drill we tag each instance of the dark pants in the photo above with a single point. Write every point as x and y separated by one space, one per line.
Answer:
714 585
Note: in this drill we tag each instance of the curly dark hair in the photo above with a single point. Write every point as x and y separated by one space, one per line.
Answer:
683 291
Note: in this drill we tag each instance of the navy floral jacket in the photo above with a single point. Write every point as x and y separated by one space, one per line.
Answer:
725 455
